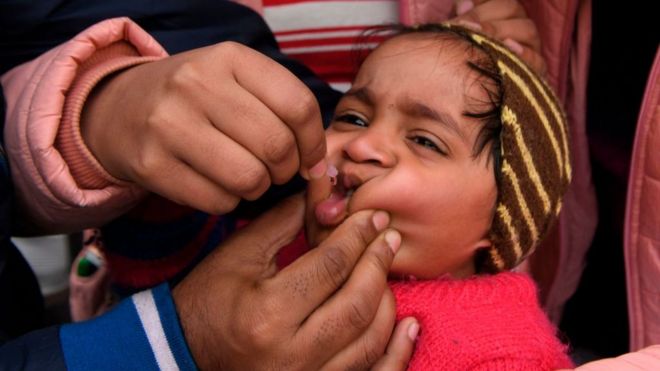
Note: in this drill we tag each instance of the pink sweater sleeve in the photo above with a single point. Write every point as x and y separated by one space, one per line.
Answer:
59 185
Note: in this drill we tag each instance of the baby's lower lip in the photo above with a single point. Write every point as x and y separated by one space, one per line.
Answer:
332 210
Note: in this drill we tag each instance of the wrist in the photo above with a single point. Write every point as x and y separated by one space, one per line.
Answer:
194 338
76 148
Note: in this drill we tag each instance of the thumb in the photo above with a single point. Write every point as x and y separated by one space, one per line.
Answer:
319 189
259 242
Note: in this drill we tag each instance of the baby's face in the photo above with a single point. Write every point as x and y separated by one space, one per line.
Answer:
401 144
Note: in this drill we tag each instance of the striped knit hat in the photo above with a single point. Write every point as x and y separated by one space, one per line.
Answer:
532 162
534 168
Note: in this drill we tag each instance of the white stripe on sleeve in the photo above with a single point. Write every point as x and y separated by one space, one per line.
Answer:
148 313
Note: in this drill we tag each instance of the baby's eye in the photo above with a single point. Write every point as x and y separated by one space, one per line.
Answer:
352 119
427 143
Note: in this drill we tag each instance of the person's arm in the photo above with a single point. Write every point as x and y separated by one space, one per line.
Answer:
140 332
505 20
232 22
58 184
331 309
642 360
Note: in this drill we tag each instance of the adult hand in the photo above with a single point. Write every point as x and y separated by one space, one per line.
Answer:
207 127
505 20
329 309
401 346
401 343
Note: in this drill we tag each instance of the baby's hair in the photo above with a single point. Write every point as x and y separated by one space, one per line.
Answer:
487 112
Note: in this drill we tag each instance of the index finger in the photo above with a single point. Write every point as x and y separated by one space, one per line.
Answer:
310 280
319 189
288 98
253 248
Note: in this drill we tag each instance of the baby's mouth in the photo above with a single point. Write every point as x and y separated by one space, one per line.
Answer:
334 209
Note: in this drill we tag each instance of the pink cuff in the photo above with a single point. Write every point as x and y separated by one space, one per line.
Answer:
35 93
85 169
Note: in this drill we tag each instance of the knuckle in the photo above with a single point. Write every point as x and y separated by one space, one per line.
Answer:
280 147
358 315
380 261
252 181
228 48
147 163
363 231
370 356
257 329
186 77
305 107
333 266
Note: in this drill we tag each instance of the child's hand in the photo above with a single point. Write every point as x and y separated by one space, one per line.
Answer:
505 20
206 128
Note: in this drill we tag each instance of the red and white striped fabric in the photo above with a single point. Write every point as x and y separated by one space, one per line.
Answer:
324 35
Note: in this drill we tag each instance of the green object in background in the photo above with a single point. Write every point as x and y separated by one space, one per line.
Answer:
89 264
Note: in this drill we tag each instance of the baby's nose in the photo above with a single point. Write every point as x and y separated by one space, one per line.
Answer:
371 146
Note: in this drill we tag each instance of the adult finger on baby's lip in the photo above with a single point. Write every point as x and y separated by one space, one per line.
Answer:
319 188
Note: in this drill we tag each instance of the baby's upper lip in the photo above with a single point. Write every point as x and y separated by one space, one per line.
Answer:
350 181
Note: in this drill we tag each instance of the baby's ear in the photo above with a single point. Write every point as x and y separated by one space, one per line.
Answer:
480 253
483 244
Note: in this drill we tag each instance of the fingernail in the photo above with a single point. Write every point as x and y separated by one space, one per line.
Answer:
380 219
393 240
514 46
474 26
319 170
332 173
464 7
413 331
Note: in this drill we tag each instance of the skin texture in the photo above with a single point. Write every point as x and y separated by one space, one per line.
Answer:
329 310
170 126
400 139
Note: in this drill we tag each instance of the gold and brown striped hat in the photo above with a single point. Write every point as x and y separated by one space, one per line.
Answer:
535 167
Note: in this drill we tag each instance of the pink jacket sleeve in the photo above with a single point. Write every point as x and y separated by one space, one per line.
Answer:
642 223
642 360
48 196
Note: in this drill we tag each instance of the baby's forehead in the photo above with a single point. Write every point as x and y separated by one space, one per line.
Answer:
443 52
440 44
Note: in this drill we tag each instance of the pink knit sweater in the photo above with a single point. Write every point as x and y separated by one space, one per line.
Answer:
481 323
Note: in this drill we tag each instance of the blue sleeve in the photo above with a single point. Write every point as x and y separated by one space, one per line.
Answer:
142 332
36 351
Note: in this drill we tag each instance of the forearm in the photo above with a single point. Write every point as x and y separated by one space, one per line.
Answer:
142 331
58 183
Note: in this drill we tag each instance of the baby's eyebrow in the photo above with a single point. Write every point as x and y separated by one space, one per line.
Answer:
418 109
413 108
362 94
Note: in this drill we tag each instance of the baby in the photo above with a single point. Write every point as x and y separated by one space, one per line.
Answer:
466 148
